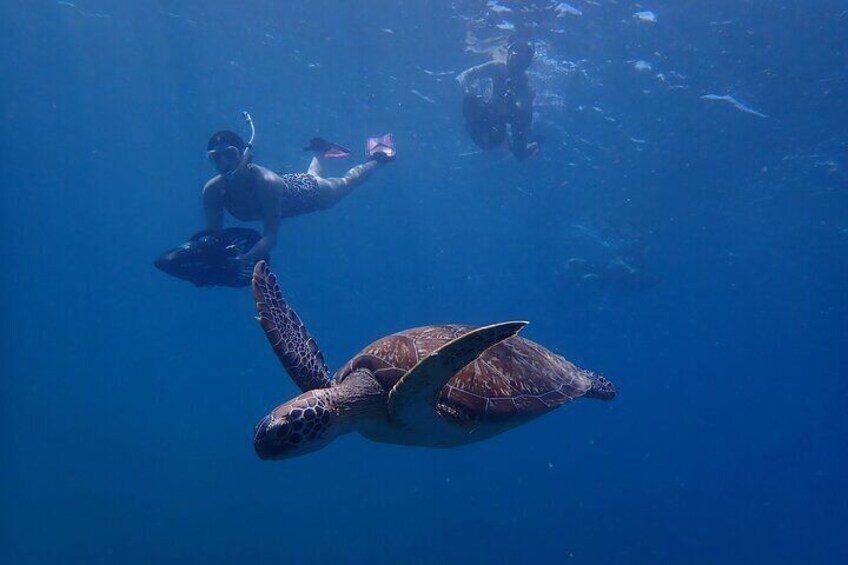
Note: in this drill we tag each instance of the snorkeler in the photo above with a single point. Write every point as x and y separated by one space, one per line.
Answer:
619 272
251 192
508 100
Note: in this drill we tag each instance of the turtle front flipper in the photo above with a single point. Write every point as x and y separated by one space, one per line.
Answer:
412 401
290 339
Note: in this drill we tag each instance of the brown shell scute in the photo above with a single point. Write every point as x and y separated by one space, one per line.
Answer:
515 378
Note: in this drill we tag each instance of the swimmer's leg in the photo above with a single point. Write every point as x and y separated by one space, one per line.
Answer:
316 168
335 188
519 143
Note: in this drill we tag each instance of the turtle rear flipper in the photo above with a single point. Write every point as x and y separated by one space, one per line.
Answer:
286 333
412 401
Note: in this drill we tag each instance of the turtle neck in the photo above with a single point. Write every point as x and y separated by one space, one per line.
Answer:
358 397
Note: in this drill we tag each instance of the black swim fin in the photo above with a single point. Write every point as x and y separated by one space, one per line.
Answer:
324 148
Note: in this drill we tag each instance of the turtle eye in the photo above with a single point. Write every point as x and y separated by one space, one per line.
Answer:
261 429
282 430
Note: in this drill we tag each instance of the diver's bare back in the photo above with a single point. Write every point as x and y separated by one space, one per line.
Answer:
243 198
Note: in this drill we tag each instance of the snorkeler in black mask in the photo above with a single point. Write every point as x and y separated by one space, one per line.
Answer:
251 192
508 101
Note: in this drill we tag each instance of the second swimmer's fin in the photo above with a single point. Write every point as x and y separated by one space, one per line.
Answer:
382 148
325 148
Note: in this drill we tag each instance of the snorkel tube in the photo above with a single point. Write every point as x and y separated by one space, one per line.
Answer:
248 149
249 121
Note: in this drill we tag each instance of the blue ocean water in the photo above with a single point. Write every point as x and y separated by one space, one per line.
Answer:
704 145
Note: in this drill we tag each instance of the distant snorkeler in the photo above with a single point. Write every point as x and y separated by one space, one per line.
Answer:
508 100
250 192
618 272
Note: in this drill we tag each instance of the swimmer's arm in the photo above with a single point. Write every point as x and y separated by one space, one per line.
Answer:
213 206
269 195
486 70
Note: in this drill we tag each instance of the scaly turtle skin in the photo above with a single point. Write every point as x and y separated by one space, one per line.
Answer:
437 386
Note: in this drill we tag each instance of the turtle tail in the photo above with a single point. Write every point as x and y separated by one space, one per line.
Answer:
601 388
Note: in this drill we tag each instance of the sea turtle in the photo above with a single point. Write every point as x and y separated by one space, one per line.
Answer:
437 386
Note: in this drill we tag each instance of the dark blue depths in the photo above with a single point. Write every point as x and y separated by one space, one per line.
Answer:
129 398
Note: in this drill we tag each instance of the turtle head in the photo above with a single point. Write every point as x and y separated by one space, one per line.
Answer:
297 427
